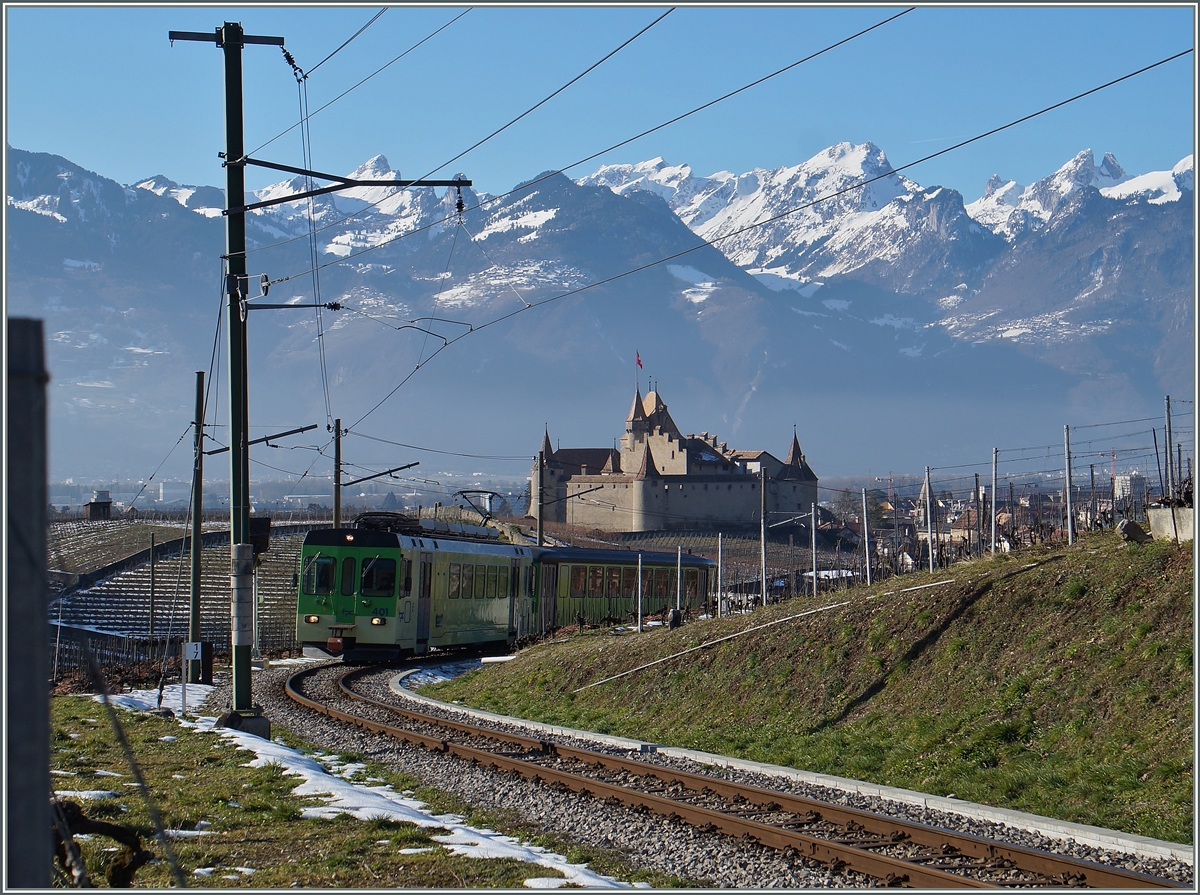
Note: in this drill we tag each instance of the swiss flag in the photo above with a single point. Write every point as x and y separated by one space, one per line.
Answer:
639 359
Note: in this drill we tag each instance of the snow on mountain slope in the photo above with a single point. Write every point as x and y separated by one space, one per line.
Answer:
841 212
206 201
1009 209
1156 187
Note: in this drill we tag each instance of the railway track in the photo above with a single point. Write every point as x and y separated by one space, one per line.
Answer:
889 850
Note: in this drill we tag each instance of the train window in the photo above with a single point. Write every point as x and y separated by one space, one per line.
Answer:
468 580
662 582
690 584
406 578
480 580
319 573
612 582
379 578
647 582
595 581
629 582
348 576
502 584
491 581
453 585
578 582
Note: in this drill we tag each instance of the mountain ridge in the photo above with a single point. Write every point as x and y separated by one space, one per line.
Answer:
840 311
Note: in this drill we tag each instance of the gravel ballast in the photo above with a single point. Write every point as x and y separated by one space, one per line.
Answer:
645 840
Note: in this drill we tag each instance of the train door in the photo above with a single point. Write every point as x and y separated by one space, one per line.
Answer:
547 591
343 601
514 593
424 593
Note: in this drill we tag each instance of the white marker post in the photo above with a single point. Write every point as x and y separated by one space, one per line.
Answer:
191 652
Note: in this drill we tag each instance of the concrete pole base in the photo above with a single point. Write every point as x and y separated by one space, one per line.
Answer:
257 724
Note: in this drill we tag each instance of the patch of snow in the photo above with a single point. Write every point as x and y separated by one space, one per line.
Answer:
72 264
44 205
836 304
85 794
530 220
690 274
368 802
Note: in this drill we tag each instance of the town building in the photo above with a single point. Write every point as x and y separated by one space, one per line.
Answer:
659 478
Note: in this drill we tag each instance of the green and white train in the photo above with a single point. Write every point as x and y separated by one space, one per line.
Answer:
392 587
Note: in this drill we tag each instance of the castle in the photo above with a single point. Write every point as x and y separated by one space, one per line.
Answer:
661 479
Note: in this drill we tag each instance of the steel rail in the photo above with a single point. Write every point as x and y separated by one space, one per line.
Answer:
947 844
833 854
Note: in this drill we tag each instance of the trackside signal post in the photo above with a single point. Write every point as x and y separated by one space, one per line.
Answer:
231 39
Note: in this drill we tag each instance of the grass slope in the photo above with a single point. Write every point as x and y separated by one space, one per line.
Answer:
1055 681
256 836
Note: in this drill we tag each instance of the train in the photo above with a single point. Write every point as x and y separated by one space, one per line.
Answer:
390 587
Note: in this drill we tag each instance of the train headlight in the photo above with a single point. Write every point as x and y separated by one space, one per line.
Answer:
378 621
312 619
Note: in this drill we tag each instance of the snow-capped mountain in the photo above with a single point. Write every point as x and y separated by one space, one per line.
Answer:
1010 209
878 294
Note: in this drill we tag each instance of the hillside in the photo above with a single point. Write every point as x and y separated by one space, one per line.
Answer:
1054 681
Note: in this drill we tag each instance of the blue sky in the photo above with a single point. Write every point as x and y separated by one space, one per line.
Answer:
103 87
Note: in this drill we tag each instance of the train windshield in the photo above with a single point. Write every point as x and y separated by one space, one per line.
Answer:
379 578
319 575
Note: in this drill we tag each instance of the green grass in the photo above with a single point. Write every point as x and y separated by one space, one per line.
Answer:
1062 689
255 819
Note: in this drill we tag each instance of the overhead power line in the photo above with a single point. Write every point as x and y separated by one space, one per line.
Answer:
423 40
525 186
542 102
415 447
755 225
374 19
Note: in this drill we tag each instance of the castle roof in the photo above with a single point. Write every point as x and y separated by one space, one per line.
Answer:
659 418
795 466
647 469
637 413
573 460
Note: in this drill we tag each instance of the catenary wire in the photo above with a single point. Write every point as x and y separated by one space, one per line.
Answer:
416 447
496 132
360 83
493 199
757 224
789 212
373 20
542 102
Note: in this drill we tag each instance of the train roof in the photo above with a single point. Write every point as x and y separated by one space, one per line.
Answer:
625 557
372 538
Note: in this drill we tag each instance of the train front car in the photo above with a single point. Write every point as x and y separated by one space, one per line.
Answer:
355 595
393 587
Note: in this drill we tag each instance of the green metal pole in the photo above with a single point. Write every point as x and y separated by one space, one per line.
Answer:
193 673
235 247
